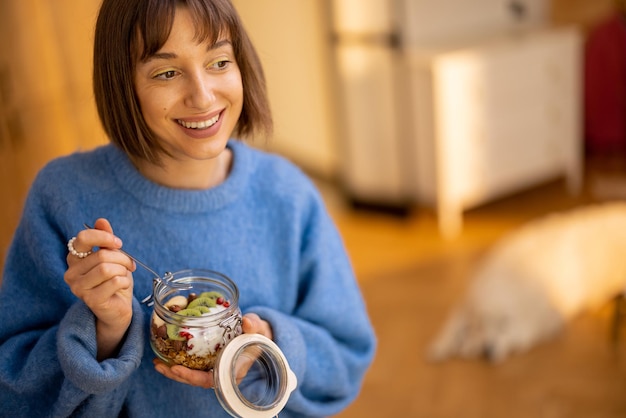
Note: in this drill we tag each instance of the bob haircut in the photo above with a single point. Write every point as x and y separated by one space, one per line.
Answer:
129 31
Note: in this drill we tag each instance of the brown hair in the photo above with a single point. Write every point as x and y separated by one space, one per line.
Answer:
128 31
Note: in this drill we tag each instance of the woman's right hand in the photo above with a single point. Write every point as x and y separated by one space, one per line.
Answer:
104 281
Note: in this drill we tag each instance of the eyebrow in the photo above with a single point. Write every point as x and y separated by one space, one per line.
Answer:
171 55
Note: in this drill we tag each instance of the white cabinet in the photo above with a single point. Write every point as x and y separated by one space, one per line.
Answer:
495 117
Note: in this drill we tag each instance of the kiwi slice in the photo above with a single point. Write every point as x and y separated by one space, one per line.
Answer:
173 331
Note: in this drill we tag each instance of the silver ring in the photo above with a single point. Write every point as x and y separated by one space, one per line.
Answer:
79 254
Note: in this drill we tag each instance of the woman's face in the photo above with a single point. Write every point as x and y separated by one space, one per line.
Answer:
191 94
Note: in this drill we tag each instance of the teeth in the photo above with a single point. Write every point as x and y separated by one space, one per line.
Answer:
199 125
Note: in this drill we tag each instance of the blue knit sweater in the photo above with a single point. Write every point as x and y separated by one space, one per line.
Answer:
265 227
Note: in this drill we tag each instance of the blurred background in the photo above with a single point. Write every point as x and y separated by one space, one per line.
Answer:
432 127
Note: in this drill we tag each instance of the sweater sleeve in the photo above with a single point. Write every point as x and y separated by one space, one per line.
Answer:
75 385
48 361
101 385
328 340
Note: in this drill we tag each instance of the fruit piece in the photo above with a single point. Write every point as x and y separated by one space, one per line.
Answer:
202 301
186 335
203 309
190 312
173 331
177 300
156 320
212 294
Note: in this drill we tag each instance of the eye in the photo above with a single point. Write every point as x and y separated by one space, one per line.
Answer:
166 75
221 64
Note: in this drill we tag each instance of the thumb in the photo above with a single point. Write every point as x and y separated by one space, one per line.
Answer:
253 324
112 241
250 323
103 225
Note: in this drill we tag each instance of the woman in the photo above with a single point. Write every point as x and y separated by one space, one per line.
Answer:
174 81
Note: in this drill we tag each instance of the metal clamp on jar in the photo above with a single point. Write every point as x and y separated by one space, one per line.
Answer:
197 323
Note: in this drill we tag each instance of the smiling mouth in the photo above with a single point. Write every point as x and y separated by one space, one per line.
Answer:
204 124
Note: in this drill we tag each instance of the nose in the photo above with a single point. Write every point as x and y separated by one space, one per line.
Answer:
200 91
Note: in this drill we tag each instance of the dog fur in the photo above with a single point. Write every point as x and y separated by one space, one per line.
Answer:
537 279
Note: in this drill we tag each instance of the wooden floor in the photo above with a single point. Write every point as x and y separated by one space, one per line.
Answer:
411 278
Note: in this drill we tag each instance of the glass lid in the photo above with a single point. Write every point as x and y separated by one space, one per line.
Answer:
268 381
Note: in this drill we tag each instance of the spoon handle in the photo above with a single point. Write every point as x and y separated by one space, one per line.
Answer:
156 275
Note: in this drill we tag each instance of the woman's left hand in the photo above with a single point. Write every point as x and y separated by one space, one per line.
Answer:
251 324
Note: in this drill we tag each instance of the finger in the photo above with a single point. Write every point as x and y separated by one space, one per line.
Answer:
87 239
103 262
77 250
184 375
98 267
244 362
193 377
250 323
101 296
109 261
166 371
103 225
253 324
100 236
114 284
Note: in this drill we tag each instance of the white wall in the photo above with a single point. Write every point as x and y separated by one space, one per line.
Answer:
292 39
436 21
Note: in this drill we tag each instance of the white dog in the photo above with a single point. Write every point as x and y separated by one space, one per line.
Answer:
537 279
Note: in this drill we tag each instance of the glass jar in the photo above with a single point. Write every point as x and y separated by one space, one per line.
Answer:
190 326
196 323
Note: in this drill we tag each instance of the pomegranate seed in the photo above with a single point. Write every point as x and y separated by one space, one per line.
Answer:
226 304
219 300
188 336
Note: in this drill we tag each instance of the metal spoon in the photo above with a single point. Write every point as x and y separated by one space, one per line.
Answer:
166 279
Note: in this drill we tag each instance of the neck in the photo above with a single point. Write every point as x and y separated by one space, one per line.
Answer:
188 174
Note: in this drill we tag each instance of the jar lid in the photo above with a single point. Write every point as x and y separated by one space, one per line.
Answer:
268 381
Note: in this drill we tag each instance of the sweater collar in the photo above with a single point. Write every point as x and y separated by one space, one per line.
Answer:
151 194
